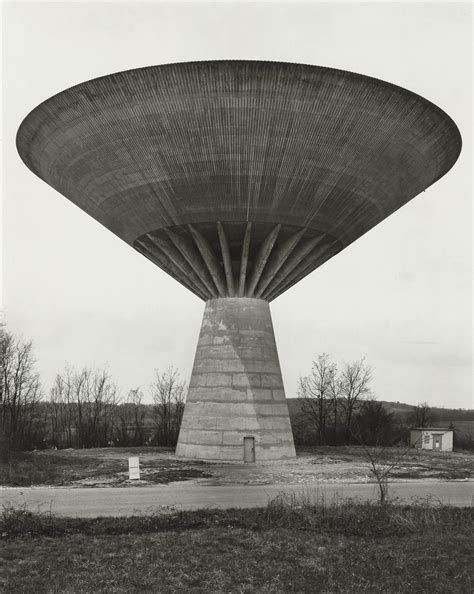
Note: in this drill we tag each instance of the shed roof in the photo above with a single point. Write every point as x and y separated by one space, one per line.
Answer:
430 429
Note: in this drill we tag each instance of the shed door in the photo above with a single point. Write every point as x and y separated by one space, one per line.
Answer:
437 442
249 449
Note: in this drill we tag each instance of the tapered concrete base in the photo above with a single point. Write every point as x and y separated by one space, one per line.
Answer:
236 390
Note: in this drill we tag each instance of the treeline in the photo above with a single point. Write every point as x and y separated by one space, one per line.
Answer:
336 406
85 409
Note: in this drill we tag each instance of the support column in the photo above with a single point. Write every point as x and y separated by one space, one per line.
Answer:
236 388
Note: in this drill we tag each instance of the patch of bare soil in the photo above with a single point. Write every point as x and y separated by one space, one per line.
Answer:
109 467
346 464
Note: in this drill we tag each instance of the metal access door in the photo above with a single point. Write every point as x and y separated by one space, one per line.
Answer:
437 442
249 449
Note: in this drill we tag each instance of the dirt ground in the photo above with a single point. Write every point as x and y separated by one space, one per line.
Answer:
109 467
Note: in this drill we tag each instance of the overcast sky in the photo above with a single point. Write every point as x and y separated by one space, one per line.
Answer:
401 295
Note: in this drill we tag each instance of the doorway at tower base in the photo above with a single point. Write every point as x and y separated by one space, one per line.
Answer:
236 390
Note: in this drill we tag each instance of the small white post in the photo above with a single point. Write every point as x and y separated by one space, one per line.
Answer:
134 468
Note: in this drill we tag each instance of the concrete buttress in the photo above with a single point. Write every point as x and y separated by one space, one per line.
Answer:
236 389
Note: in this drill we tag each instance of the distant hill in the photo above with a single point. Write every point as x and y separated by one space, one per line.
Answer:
454 414
462 419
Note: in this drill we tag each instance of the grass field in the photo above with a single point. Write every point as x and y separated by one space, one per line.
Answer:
290 546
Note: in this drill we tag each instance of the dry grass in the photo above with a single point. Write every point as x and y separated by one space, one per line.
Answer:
290 546
236 560
104 466
23 469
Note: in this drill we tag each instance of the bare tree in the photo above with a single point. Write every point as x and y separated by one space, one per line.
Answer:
373 424
135 397
335 405
124 418
168 394
318 393
104 399
382 461
381 465
353 386
422 415
82 404
374 430
63 409
97 395
20 392
130 427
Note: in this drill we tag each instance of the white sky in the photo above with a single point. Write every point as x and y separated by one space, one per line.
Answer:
401 295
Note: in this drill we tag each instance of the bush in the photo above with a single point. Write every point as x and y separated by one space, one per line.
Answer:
351 518
347 518
463 441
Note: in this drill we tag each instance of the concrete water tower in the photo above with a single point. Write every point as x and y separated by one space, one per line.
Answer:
238 179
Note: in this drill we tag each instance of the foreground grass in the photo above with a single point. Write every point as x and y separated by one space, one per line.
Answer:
289 546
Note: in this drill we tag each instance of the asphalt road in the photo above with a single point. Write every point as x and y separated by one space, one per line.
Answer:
121 501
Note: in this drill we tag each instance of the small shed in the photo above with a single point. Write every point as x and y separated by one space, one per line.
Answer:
432 438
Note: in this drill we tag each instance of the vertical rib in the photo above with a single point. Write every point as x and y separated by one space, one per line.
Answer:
176 257
165 264
300 252
192 256
226 259
210 260
277 259
304 267
262 259
244 259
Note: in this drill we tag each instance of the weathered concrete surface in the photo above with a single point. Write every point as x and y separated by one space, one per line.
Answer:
124 501
236 389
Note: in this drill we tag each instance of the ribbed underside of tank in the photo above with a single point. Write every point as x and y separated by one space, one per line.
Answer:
260 260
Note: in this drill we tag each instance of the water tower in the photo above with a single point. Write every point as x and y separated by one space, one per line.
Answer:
238 179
